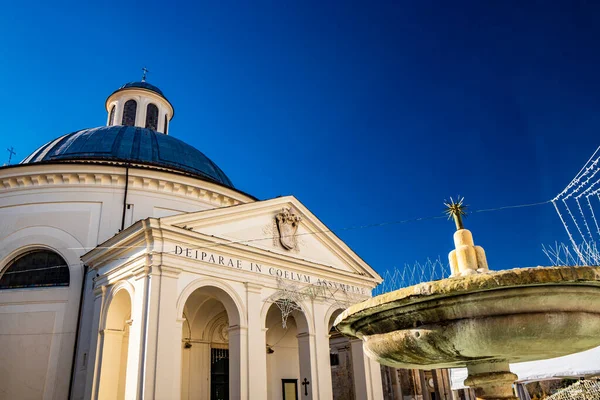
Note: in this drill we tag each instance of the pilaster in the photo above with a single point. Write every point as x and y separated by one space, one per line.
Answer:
238 362
322 374
306 353
95 357
257 345
163 320
135 353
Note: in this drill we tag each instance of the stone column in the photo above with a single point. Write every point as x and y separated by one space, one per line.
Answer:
161 341
168 338
367 374
257 345
136 351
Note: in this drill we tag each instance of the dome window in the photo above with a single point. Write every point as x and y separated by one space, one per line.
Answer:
39 268
129 111
111 118
166 125
152 117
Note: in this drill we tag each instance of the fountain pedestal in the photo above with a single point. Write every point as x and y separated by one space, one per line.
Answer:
491 381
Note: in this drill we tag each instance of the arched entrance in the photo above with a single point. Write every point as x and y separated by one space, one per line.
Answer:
115 343
288 356
210 346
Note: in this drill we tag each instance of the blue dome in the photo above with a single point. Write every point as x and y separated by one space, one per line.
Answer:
130 144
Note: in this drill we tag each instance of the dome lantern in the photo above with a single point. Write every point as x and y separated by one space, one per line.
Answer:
139 104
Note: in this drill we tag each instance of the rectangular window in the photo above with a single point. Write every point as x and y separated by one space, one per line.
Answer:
334 359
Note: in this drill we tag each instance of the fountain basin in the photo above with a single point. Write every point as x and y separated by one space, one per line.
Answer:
481 319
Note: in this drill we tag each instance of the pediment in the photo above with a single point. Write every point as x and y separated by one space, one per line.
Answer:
256 225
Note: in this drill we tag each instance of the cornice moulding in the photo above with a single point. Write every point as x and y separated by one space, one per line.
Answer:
32 176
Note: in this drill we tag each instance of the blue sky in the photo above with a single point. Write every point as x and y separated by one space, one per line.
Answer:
367 112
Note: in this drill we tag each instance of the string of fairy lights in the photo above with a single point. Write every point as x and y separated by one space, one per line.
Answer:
581 226
225 242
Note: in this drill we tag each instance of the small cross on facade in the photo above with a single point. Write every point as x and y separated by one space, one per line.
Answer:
305 383
11 152
145 71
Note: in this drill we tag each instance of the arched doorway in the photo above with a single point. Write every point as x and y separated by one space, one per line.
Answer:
210 345
115 344
288 356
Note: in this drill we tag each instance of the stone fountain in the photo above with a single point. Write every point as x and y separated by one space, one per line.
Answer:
480 319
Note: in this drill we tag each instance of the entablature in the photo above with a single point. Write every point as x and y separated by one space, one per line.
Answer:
140 177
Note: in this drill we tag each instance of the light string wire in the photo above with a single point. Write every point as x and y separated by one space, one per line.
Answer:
354 227
583 185
230 242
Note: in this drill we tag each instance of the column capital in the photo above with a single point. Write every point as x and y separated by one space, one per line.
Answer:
253 287
100 291
237 329
140 272
170 272
113 332
319 300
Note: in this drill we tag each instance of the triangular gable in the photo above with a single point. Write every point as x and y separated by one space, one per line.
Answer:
254 224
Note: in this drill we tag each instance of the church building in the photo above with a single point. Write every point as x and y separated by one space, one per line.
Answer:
132 268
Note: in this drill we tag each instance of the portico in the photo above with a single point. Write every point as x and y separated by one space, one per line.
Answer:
190 306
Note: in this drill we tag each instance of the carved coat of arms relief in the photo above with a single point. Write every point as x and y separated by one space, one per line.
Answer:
287 226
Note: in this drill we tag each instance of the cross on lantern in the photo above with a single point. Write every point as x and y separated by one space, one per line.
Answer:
305 384
145 71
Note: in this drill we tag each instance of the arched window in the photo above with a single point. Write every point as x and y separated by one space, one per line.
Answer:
152 117
111 119
129 111
166 124
36 268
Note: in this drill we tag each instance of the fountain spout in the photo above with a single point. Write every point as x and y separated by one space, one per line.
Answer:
466 258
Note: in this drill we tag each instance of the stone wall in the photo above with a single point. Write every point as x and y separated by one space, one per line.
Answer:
341 374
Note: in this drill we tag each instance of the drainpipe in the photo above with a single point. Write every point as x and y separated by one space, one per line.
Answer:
74 362
125 196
